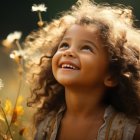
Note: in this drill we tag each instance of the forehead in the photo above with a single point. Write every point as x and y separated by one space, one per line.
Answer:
88 30
84 32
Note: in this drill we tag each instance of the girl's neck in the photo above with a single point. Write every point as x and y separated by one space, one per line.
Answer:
84 102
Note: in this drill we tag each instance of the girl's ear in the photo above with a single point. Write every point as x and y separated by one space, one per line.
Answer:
110 81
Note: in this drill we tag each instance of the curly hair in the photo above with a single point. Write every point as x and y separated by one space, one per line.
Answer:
121 39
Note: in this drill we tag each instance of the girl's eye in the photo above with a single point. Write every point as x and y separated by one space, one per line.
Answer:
64 46
87 48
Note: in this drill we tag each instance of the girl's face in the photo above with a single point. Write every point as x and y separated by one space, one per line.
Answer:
81 59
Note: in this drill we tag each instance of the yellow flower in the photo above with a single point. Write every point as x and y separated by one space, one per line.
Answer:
8 107
19 110
1 117
20 100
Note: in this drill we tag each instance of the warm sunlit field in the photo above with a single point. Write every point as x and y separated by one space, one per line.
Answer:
15 116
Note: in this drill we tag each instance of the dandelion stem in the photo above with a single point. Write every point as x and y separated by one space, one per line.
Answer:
18 44
9 130
15 105
21 63
40 17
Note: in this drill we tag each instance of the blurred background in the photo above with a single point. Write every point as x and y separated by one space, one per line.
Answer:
16 15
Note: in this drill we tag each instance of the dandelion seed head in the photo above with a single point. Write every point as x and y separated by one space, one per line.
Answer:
7 44
18 54
39 7
9 41
15 54
14 36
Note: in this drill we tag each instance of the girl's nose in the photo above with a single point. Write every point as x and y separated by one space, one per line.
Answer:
69 53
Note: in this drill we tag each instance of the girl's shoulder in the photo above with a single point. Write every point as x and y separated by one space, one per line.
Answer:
120 125
46 126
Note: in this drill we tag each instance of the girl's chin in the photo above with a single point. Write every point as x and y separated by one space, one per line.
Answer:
67 82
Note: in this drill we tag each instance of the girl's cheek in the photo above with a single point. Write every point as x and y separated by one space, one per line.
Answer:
53 65
57 55
55 59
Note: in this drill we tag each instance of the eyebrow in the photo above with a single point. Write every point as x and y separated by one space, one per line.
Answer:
84 40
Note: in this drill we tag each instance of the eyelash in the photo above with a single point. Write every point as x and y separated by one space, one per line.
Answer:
87 48
66 45
63 45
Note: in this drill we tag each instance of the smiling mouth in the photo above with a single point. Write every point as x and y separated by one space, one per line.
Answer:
68 66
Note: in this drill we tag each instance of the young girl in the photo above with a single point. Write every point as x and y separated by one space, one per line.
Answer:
86 85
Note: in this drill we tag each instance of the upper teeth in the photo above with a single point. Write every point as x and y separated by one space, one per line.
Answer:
68 66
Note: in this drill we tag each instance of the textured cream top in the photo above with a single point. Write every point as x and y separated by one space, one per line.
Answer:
116 126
